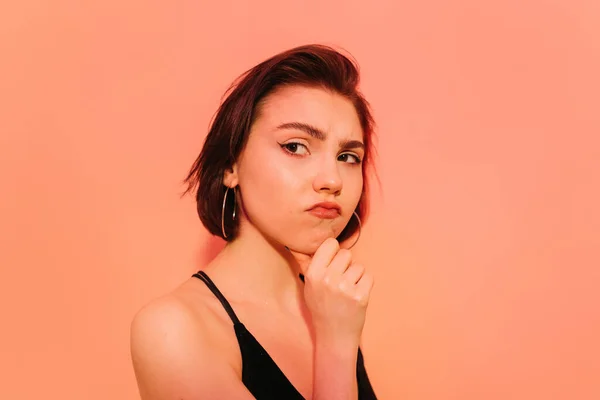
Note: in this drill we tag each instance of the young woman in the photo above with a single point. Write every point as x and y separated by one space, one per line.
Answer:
282 177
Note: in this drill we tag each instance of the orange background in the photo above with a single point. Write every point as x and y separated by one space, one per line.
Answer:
484 240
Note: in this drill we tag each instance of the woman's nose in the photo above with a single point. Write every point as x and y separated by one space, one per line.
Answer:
328 178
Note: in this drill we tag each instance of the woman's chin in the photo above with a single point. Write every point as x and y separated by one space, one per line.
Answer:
311 245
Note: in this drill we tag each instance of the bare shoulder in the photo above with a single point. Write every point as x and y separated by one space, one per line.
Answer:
166 324
174 355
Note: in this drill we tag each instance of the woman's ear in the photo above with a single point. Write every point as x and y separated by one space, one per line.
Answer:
230 176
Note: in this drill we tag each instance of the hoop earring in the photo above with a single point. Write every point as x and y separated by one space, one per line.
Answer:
223 211
359 229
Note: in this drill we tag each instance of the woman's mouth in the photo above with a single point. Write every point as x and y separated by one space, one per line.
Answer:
325 213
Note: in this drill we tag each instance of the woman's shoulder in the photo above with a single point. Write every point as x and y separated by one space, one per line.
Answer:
167 324
187 313
173 308
179 349
176 338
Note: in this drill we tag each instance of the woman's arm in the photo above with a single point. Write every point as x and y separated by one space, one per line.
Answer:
336 291
335 370
173 359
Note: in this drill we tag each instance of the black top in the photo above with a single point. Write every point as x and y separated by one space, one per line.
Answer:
260 374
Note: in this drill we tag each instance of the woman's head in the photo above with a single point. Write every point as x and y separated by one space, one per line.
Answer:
292 131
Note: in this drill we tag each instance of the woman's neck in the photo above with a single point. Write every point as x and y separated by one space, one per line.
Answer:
252 269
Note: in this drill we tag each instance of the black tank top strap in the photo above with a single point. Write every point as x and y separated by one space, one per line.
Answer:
213 288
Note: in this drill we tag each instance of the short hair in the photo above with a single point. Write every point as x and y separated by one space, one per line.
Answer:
309 65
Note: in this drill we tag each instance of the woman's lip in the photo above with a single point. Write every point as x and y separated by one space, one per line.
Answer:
329 205
325 213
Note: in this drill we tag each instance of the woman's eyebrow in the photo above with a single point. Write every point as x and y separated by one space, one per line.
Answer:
320 135
301 126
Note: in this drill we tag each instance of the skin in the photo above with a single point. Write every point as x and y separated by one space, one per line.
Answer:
183 344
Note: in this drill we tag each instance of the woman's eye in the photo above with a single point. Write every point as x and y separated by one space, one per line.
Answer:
294 148
354 159
299 149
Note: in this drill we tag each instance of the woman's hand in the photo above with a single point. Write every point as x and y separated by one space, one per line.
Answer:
336 292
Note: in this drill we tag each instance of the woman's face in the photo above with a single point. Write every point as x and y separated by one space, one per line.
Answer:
305 147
